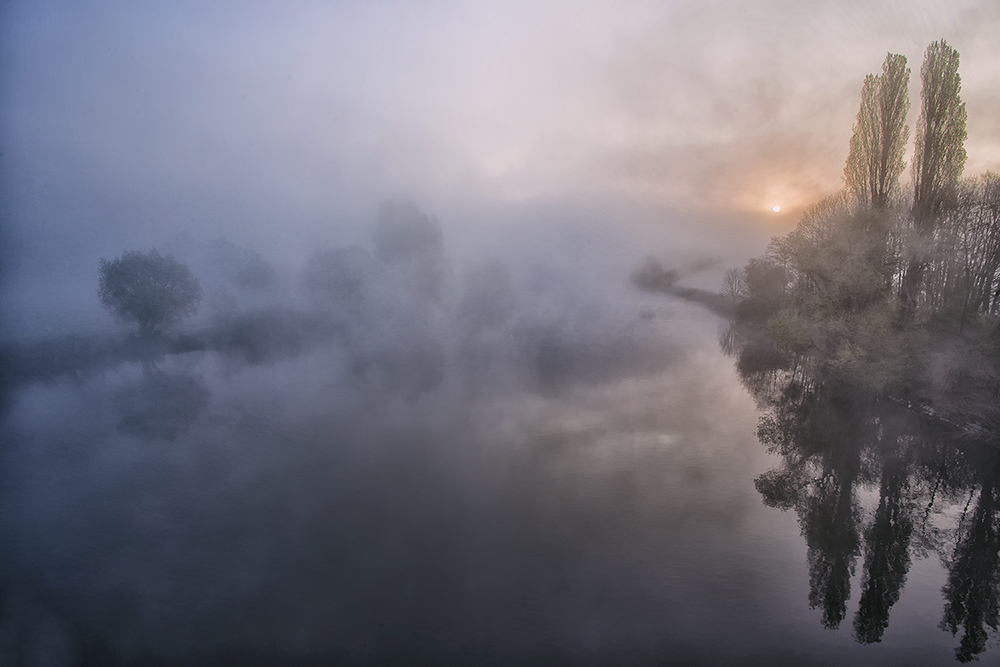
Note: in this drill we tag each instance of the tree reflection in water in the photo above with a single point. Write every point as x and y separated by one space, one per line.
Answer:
160 405
838 444
974 568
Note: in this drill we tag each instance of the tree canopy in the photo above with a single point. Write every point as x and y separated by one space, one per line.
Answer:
148 289
939 154
876 155
410 245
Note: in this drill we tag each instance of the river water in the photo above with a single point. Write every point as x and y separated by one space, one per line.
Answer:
578 489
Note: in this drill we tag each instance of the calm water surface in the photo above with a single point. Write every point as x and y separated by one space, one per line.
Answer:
580 491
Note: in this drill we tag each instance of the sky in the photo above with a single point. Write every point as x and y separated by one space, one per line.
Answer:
121 123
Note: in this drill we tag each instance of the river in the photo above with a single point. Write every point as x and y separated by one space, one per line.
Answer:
576 489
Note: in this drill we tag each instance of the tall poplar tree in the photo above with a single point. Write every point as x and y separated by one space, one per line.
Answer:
875 161
939 155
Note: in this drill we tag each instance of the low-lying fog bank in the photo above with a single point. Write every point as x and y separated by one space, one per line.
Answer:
376 451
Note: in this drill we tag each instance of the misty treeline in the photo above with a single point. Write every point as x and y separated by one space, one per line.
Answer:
400 310
652 276
245 313
894 289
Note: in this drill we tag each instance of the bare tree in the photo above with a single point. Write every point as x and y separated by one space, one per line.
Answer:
965 273
734 285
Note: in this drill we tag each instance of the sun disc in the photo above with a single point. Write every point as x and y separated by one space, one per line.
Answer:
776 209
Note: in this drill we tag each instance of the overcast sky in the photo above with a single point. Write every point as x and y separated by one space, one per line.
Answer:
118 116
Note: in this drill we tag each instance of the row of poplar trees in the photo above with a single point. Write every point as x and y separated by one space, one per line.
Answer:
944 252
873 264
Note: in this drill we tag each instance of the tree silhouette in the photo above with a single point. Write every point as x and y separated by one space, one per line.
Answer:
830 526
652 277
820 434
340 277
887 549
734 285
829 514
972 594
148 289
411 246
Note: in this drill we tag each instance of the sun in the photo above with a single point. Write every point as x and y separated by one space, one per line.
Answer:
776 208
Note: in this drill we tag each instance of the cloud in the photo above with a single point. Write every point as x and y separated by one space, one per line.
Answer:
505 98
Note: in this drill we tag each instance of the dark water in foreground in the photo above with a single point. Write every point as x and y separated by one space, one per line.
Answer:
583 495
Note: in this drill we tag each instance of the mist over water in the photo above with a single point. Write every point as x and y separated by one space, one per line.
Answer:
383 453
423 413
375 468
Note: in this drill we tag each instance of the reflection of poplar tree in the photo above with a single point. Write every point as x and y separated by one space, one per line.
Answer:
887 550
973 589
830 526
829 430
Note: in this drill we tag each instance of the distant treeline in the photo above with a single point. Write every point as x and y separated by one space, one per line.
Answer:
394 319
651 276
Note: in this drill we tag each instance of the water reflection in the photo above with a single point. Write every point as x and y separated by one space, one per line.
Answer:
160 405
570 489
294 515
971 594
841 449
887 544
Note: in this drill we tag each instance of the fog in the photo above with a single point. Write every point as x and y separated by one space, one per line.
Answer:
421 411
377 451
